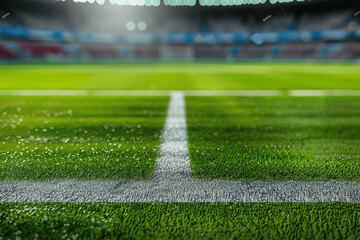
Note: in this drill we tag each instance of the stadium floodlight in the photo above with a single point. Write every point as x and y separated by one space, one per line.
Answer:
100 2
123 2
136 2
242 2
230 2
179 2
187 2
142 26
130 26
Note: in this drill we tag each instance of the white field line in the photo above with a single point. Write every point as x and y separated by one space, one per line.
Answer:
43 92
319 93
173 161
239 93
243 93
173 183
84 93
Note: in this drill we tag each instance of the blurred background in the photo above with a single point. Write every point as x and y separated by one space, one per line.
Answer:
48 30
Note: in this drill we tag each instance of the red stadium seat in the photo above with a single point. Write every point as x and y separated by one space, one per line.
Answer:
6 53
41 49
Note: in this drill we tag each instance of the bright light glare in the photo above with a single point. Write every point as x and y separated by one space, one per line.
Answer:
186 2
123 2
130 26
142 26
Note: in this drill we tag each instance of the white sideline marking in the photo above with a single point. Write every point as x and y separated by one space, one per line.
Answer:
240 93
319 93
140 92
44 92
129 92
173 161
173 182
84 93
235 93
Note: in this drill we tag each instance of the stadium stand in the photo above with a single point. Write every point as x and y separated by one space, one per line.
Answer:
37 49
299 34
6 53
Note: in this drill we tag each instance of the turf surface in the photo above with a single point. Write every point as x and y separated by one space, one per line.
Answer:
117 138
182 76
179 221
83 138
274 138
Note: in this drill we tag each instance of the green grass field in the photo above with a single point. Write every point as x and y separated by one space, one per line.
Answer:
182 76
83 138
180 221
275 138
232 138
117 138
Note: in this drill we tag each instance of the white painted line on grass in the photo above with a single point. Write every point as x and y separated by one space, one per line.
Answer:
179 191
244 93
129 92
235 93
319 93
173 161
44 92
